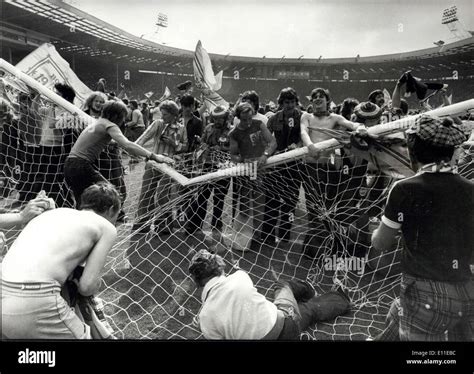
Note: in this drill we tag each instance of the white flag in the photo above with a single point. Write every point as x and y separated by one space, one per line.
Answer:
218 79
386 97
166 94
47 66
205 79
149 94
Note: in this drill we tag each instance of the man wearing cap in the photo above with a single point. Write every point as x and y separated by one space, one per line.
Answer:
434 211
377 97
232 308
320 174
367 113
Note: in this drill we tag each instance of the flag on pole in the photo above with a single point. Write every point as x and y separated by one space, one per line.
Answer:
205 79
149 94
47 66
386 97
165 95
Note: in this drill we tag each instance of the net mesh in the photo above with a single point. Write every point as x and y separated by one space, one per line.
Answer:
295 220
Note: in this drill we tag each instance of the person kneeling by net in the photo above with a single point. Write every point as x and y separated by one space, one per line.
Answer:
233 309
36 268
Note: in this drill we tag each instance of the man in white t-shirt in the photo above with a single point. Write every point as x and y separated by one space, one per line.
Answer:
156 112
232 308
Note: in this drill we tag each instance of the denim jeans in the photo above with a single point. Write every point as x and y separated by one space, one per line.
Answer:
36 310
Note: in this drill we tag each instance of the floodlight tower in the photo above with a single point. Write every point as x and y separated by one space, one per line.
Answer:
162 20
451 20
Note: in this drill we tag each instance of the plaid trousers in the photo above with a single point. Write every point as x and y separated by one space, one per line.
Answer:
392 323
436 311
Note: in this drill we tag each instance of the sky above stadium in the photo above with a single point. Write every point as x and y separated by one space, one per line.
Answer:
290 28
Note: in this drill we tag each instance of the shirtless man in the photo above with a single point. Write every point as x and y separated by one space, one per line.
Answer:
45 254
322 119
320 177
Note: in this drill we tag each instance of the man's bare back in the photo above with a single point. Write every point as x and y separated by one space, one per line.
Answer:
53 244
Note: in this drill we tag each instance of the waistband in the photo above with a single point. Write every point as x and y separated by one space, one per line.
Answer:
31 287
461 282
275 332
73 157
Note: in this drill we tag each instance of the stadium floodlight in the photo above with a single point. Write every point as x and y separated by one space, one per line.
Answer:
452 22
162 20
450 15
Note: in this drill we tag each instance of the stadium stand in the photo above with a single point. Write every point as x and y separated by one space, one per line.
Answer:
147 292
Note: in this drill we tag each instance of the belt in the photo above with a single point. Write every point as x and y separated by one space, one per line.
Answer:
275 332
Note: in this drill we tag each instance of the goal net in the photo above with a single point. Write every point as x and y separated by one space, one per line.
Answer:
291 219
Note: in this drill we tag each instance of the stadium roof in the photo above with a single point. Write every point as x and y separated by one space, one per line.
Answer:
73 30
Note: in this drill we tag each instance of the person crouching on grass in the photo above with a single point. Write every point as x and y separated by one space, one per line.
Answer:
435 212
45 255
79 169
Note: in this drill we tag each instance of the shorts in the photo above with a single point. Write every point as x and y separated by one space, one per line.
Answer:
80 174
36 310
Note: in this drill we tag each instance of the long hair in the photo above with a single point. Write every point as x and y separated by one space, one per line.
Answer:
88 103
114 111
288 94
